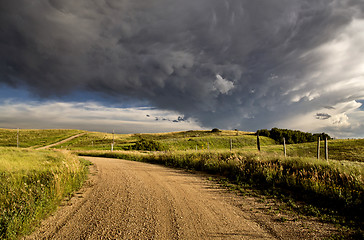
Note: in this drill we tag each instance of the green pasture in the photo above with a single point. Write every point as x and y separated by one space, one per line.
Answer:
100 141
339 149
33 138
188 140
351 150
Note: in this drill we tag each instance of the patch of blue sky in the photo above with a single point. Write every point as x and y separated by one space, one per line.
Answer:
23 95
13 93
362 104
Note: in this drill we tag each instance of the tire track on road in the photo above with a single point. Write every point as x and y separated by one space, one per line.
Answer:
60 142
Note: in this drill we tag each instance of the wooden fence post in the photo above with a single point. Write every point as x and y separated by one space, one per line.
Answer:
326 150
231 144
17 139
284 147
258 142
113 137
318 148
113 140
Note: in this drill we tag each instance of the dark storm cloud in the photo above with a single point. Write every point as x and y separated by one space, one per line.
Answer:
223 63
322 116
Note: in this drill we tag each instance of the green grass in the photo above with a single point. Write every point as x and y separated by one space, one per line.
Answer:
32 185
351 150
99 141
214 142
204 140
170 141
348 149
34 137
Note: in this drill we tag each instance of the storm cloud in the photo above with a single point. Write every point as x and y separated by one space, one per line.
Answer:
227 64
323 116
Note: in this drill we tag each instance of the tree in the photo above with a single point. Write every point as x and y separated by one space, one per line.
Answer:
291 136
215 130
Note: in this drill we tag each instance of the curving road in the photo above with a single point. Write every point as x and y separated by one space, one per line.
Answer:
60 142
133 200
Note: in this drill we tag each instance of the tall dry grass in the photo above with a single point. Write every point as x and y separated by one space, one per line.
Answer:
33 184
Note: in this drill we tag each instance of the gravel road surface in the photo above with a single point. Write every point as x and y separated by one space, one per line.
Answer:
133 200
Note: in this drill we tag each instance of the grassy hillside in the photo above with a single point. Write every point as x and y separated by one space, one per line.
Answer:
33 137
340 149
351 150
32 185
169 141
214 142
100 141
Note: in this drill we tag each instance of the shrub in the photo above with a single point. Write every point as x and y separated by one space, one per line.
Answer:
215 130
32 185
148 145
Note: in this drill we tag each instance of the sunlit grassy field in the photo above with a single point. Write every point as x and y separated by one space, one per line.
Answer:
351 150
189 140
99 141
340 149
33 138
32 185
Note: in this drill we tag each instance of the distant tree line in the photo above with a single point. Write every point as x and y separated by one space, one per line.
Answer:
291 136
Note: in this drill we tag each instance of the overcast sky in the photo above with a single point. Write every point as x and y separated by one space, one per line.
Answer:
166 65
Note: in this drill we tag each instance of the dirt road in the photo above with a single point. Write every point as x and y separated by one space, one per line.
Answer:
133 200
60 142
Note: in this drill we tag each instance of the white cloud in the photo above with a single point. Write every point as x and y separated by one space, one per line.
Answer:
341 121
325 97
222 85
89 116
341 65
335 70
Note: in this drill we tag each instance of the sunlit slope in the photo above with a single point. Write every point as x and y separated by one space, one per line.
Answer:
340 149
33 137
187 140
